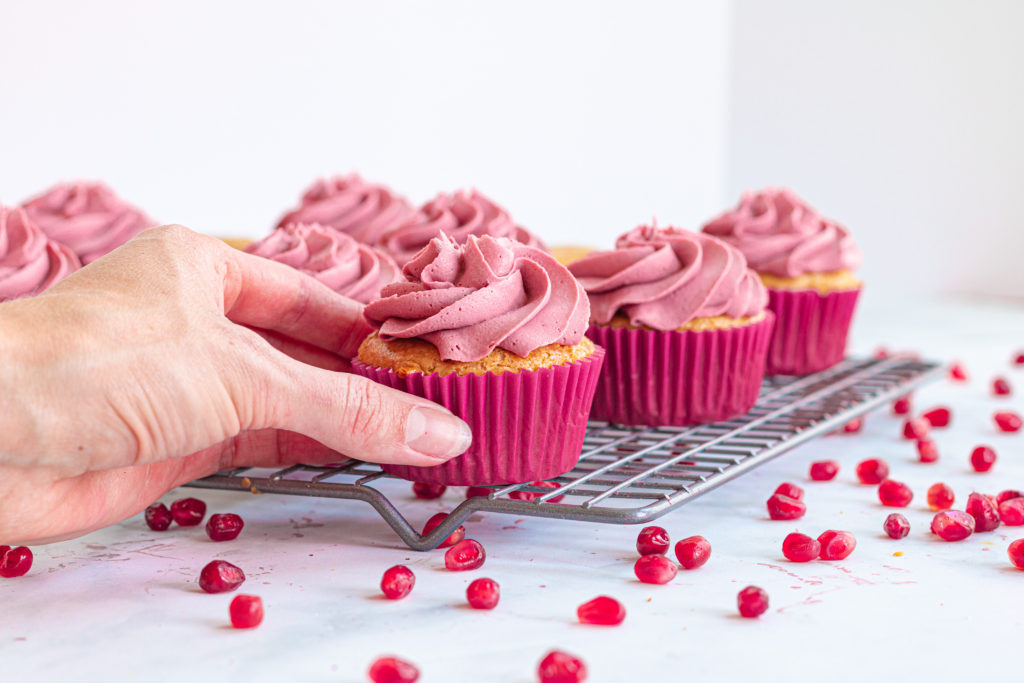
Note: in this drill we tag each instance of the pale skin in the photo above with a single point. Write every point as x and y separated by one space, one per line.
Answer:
175 357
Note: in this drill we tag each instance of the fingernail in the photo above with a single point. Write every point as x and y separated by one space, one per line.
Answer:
437 433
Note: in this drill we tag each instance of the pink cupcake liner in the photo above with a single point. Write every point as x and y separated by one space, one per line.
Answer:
810 330
679 377
526 425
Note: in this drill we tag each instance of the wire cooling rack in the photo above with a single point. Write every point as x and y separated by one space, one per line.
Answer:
630 475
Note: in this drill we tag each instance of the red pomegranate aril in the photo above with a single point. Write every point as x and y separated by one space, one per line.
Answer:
478 492
1008 421
465 555
426 491
916 429
483 594
752 602
952 525
982 458
158 517
3 551
872 471
1018 358
938 417
881 353
896 525
800 548
220 577
652 540
789 489
246 611
940 496
1001 387
895 494
785 508
602 610
901 406
853 426
393 670
224 527
561 667
957 372
1016 553
188 511
1008 494
453 538
927 451
824 470
984 511
15 562
655 569
836 545
397 582
1011 512
534 495
693 552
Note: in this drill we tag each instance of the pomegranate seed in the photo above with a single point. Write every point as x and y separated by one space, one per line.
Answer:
393 670
693 552
1016 553
881 353
792 490
465 555
1010 511
397 582
561 667
853 426
800 548
246 611
601 611
940 496
957 372
927 451
836 545
15 562
483 594
984 511
655 569
652 540
784 507
534 495
220 577
982 458
1018 358
752 602
901 406
1001 387
1008 421
425 491
1008 495
478 492
824 470
952 525
916 428
3 551
435 522
225 527
895 494
896 525
158 517
938 417
188 511
872 471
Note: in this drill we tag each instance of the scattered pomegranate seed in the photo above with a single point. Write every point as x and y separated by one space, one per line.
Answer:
752 602
561 667
784 507
693 552
220 577
789 489
393 670
952 525
483 594
916 429
853 426
478 492
984 511
927 451
800 548
655 569
901 406
872 471
896 525
465 555
3 551
824 470
534 495
601 611
15 562
1007 495
397 582
940 496
836 545
188 511
957 372
1008 421
225 527
982 458
895 494
1018 358
158 517
1001 387
427 491
246 611
1016 553
435 522
652 540
938 417
1011 512
881 353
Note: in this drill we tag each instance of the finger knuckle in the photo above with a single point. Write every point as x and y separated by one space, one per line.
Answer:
364 405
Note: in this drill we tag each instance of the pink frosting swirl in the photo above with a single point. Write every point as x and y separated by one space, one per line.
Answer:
88 217
782 235
665 277
491 292
29 261
457 215
362 210
350 268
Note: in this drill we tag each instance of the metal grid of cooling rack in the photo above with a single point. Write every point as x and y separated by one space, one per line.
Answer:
631 475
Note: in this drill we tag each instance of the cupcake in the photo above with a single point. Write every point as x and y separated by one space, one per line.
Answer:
457 215
349 204
88 217
351 268
683 324
492 330
806 261
29 261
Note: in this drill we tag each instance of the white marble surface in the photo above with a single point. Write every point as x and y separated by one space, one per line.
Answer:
123 605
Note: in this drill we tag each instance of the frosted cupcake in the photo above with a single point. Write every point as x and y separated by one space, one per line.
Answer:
457 215
351 268
807 263
683 324
349 204
30 262
493 331
88 217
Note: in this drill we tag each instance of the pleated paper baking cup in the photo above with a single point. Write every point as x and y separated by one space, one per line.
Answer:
810 330
526 425
679 377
